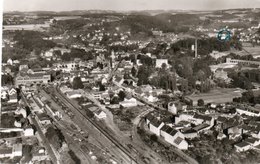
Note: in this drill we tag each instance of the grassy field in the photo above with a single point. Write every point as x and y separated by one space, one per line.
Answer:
220 95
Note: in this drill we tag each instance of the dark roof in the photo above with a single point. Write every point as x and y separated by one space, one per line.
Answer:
251 140
42 116
221 119
165 127
188 130
173 132
169 130
201 126
118 79
155 122
178 140
149 117
203 117
6 151
242 144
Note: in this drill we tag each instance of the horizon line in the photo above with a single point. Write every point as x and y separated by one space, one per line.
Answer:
130 10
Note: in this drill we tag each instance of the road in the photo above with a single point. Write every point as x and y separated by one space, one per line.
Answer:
117 148
177 151
148 152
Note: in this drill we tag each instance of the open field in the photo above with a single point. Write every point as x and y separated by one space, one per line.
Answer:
221 95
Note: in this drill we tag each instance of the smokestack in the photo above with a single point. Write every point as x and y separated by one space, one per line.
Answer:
196 48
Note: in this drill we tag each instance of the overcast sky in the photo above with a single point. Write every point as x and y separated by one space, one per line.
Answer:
65 5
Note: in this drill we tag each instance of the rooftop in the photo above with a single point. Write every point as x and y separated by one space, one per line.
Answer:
242 144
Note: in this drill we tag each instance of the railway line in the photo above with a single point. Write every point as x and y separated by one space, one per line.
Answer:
97 126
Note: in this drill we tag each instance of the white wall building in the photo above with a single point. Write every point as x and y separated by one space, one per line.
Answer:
159 63
242 146
129 102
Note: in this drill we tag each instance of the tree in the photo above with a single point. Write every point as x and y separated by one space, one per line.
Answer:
143 75
74 157
7 79
57 53
102 87
55 137
154 138
164 66
121 95
66 57
77 83
200 102
115 100
133 71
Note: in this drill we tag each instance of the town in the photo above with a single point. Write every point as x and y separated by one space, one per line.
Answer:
103 87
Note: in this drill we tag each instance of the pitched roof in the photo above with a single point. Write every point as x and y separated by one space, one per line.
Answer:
165 127
155 122
201 126
203 117
221 119
173 132
169 130
178 140
6 151
242 144
251 140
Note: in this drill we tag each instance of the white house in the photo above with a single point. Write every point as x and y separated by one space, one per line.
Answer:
9 62
17 150
221 136
6 152
11 152
253 141
151 98
255 134
4 95
250 111
128 102
172 108
17 124
100 114
155 126
65 89
21 111
174 137
73 94
28 131
13 99
242 146
159 63
12 91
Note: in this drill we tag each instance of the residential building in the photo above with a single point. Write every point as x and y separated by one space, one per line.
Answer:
34 78
159 63
128 102
73 94
99 114
242 146
250 111
174 137
28 131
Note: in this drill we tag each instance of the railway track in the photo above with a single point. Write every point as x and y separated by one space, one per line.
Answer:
100 129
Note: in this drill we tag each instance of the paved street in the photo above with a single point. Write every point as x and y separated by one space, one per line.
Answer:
177 151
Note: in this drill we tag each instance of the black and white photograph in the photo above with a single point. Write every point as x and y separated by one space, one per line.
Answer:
130 82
